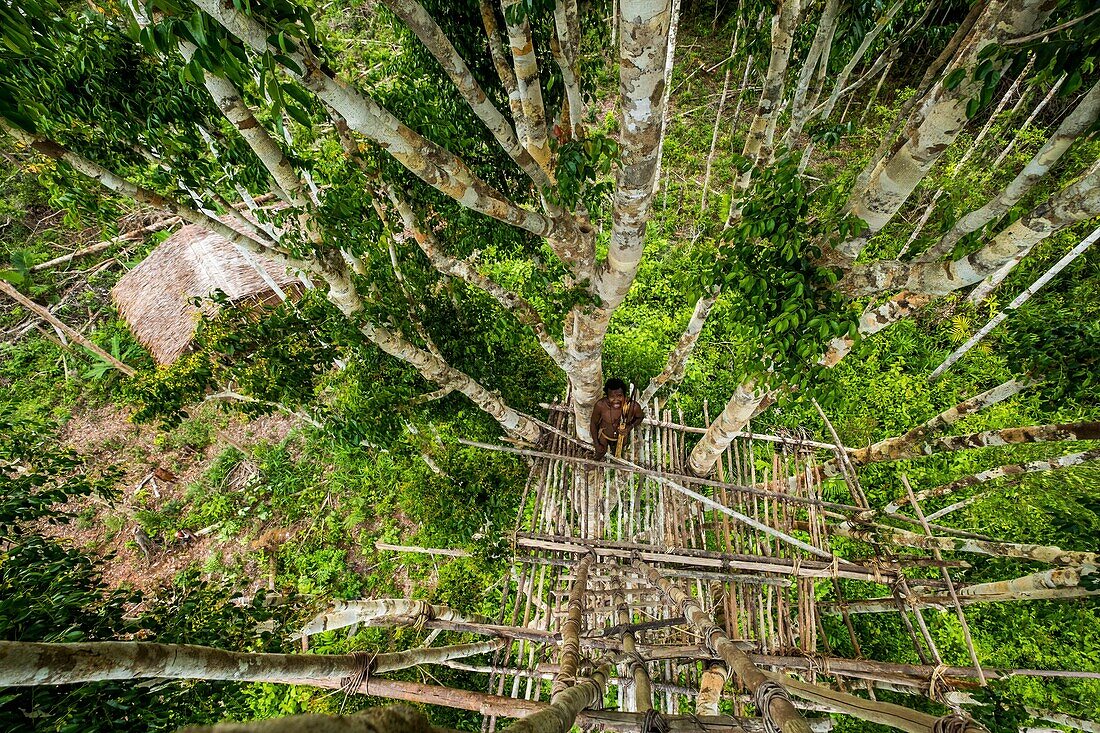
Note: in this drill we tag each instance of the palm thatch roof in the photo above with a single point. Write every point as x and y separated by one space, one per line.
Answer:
155 297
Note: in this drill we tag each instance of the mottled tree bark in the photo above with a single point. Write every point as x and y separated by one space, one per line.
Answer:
1051 464
873 320
758 143
939 119
644 26
745 403
1073 126
32 663
1077 202
678 358
530 87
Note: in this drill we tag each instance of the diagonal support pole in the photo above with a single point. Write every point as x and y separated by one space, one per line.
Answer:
947 579
571 630
780 716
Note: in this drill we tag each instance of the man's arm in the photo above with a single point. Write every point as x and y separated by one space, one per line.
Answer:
636 415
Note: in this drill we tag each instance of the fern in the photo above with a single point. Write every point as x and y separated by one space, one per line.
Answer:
960 329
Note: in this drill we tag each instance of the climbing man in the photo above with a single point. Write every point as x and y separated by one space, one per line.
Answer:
614 417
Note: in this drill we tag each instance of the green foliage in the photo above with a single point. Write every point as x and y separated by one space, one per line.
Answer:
52 592
770 260
582 169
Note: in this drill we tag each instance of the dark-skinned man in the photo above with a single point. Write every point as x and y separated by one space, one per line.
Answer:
612 413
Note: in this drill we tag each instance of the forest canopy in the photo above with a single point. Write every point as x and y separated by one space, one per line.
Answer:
308 310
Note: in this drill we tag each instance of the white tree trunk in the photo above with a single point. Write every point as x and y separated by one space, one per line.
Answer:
667 113
757 143
644 34
942 114
1072 127
741 408
1016 303
817 57
677 360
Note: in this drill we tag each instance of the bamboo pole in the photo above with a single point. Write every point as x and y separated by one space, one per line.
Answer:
571 630
709 559
773 703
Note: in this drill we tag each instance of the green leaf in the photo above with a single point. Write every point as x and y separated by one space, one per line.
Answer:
954 78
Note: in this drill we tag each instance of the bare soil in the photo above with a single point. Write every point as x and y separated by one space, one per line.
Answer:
154 471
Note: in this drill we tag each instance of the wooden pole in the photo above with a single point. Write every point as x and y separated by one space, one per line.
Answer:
874 711
643 693
565 705
774 705
630 467
571 630
950 584
706 558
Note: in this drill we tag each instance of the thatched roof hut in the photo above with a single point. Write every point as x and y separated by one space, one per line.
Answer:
154 298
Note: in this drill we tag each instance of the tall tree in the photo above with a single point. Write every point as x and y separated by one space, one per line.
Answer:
265 99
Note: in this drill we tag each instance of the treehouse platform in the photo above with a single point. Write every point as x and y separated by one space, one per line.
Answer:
663 601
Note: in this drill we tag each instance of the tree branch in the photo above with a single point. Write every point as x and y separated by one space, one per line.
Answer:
1073 126
504 69
413 14
1053 464
122 186
678 358
433 164
444 263
565 48
528 84
873 320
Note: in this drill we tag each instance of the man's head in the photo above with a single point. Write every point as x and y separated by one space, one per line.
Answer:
615 389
